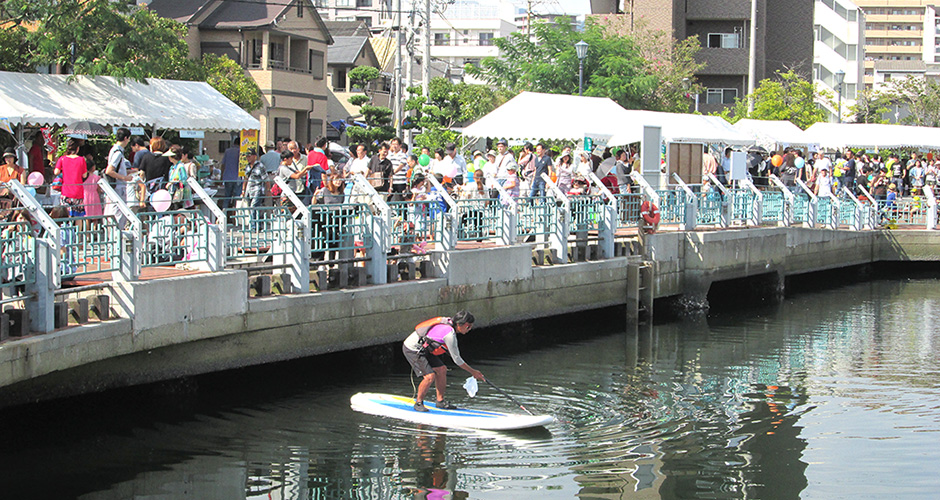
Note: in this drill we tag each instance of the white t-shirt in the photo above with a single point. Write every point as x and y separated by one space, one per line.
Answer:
359 166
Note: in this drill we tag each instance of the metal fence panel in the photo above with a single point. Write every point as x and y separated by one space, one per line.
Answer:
343 226
742 204
709 208
416 221
90 244
823 210
258 230
903 212
586 212
173 237
773 207
672 206
628 209
17 255
479 219
801 203
537 216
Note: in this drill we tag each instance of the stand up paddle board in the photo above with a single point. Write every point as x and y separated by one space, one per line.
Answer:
387 405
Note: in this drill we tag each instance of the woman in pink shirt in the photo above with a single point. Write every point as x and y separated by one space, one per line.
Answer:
74 170
92 193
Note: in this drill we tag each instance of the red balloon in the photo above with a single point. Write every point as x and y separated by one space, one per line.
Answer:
777 160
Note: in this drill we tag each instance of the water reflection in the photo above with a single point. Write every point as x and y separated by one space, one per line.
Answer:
823 395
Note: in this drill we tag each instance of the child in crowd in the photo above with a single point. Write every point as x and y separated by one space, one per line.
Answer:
92 200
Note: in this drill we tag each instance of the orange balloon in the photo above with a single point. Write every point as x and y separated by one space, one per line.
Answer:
777 160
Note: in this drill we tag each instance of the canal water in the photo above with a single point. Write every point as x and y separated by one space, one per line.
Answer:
828 394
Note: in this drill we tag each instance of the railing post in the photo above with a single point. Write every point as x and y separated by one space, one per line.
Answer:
757 210
608 223
510 213
691 203
381 233
813 204
931 208
131 238
299 228
215 247
645 187
872 209
788 200
558 241
859 209
727 203
451 217
40 304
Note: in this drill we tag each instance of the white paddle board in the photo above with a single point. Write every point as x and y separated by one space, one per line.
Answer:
400 407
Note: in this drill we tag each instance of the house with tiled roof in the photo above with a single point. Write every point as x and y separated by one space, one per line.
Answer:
283 46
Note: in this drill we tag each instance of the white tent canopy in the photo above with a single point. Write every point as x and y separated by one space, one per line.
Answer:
873 135
533 116
772 134
38 99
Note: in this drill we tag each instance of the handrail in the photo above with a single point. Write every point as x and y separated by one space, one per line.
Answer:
600 185
685 187
807 190
556 192
288 191
783 187
377 199
213 207
645 186
443 192
504 195
721 187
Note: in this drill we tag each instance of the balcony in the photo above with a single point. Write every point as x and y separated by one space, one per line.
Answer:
912 34
723 61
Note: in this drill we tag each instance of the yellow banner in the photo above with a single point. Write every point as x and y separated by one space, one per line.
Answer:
249 139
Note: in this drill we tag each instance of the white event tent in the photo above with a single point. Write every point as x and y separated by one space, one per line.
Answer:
873 135
774 134
39 99
533 116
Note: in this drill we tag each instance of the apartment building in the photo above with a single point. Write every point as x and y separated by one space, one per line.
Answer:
784 38
838 53
282 46
464 33
376 14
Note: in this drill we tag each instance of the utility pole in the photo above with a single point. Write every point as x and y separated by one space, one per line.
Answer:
409 76
396 91
752 59
426 63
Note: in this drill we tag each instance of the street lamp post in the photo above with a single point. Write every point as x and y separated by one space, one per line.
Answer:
581 49
840 77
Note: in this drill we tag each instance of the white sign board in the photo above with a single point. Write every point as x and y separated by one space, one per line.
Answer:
738 166
192 134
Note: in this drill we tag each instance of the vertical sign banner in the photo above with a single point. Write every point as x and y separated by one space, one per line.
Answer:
249 139
47 138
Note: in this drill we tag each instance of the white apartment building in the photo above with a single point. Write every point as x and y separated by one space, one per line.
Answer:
377 14
464 33
839 46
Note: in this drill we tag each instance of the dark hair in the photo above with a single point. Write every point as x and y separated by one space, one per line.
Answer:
393 139
384 145
404 148
139 142
463 317
322 142
89 164
185 151
418 179
413 157
122 133
71 147
286 154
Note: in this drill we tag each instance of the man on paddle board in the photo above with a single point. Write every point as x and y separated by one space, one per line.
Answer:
423 348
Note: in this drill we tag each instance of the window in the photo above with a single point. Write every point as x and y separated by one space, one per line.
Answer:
256 46
363 3
486 39
316 64
723 40
339 80
315 130
277 52
365 19
721 96
441 39
282 128
223 145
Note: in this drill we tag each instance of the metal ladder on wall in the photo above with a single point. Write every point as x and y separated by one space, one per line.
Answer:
639 290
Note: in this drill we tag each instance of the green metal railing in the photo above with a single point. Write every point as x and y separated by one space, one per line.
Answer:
479 219
415 221
774 204
89 245
672 206
338 227
823 210
742 204
628 209
801 203
259 230
536 216
17 255
586 212
904 212
709 208
173 237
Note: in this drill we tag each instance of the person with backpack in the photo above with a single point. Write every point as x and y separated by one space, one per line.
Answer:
423 348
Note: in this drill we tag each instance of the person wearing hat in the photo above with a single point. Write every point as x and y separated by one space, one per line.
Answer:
253 186
503 159
564 171
511 183
9 171
478 161
823 185
489 168
450 155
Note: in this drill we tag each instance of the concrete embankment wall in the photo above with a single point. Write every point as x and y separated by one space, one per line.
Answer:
184 326
204 323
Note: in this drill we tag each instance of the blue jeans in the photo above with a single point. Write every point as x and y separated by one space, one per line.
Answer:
228 196
538 187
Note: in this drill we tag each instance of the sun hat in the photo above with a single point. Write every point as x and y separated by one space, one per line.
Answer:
9 152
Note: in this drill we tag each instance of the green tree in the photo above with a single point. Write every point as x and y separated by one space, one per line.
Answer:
870 107
447 105
788 96
230 79
14 49
615 65
920 96
378 119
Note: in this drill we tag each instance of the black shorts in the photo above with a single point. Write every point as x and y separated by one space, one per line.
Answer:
422 364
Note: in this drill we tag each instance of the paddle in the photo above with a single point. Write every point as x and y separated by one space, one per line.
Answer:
508 396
